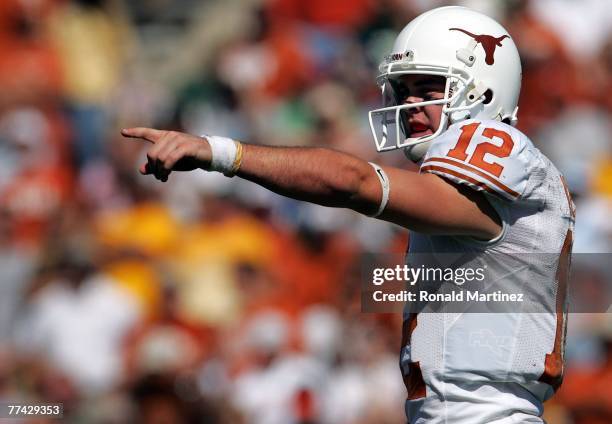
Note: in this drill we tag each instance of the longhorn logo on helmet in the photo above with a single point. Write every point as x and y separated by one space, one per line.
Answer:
488 42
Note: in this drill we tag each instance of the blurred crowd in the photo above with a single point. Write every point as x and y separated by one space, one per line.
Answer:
207 299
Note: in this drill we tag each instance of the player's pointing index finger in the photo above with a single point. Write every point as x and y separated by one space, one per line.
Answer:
150 134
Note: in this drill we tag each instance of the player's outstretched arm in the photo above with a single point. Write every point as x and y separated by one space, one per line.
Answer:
422 202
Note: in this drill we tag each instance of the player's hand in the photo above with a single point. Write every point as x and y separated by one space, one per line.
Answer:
171 151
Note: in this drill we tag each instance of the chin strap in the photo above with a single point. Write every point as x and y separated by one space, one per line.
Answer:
458 116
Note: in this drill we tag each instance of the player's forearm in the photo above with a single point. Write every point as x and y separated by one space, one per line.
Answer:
323 176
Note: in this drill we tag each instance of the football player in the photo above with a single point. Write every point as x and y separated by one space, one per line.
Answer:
450 88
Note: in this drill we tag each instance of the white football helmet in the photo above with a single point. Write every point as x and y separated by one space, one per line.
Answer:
476 56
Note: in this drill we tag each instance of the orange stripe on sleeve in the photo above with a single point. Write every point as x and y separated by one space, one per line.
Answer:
473 170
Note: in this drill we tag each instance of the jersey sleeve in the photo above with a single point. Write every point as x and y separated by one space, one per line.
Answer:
485 155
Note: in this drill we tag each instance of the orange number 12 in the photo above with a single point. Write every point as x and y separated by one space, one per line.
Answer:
477 159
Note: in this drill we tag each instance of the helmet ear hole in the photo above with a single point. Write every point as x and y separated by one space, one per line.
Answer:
488 96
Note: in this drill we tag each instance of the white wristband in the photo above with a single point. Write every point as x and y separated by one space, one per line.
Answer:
224 151
384 183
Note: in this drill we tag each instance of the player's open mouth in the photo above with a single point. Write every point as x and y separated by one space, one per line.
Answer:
418 129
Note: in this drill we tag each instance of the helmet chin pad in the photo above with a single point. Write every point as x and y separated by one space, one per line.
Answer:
416 152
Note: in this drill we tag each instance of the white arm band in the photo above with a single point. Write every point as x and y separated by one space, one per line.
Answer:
224 151
384 183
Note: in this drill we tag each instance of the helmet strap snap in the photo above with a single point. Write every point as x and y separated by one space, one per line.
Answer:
476 92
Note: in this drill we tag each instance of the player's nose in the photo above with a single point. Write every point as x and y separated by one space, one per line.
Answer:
413 99
412 110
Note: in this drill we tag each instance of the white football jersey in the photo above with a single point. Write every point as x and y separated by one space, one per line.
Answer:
443 353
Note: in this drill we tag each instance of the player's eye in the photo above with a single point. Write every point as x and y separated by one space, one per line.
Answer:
433 95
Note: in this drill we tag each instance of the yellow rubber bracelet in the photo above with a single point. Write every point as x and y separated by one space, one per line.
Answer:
238 159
